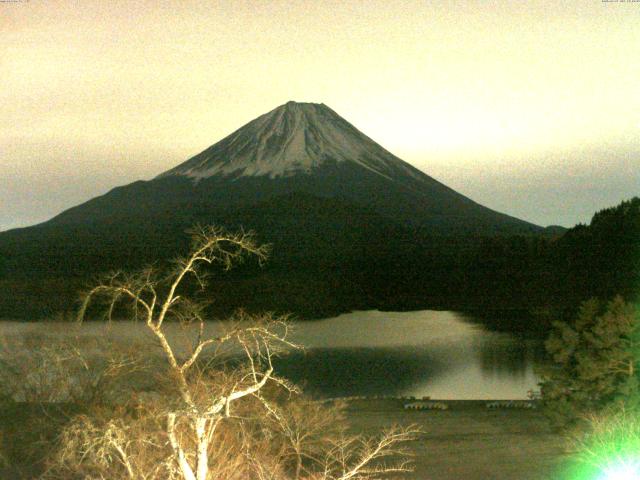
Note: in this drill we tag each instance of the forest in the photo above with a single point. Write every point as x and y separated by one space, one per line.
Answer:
517 283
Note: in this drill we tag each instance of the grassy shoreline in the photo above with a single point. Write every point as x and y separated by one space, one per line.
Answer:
469 441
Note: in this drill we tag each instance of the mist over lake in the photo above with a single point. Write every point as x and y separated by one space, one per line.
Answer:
441 354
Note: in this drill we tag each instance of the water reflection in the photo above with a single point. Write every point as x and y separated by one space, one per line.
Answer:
328 372
426 353
507 357
439 354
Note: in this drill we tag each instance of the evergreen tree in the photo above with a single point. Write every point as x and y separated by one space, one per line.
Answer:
594 361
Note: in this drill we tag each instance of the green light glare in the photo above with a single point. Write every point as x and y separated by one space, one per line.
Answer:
615 469
609 450
622 471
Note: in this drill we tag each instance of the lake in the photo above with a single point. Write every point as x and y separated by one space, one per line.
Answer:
441 354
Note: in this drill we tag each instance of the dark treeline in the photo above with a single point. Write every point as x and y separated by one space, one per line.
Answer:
550 277
324 262
599 260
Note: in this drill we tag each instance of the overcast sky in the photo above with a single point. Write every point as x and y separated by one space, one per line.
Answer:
529 107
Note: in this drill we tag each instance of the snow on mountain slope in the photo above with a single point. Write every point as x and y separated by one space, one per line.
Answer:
294 138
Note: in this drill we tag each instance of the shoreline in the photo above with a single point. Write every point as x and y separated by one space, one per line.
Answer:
468 440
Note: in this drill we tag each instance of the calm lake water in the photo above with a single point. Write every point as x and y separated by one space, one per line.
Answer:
440 354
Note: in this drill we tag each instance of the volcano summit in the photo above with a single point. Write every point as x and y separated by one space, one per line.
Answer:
295 138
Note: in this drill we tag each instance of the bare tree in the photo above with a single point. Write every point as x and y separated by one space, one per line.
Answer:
222 413
201 409
357 457
308 430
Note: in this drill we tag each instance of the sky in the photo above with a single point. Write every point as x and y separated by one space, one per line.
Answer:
530 108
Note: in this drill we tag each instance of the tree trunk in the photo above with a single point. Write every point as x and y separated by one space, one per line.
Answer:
185 468
203 444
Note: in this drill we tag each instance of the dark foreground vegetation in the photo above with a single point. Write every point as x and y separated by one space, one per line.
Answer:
196 407
590 388
466 441
330 263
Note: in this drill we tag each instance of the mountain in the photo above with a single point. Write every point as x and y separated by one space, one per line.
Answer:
345 217
300 147
295 138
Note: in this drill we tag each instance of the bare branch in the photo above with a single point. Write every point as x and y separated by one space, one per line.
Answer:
220 397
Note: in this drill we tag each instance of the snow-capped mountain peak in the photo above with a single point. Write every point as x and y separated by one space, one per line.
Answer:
294 138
